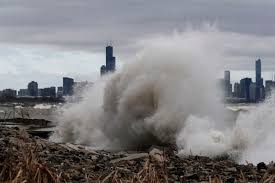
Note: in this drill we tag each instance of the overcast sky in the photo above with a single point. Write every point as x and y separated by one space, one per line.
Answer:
43 40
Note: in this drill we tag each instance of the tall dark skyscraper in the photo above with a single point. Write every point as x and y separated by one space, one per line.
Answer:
33 89
110 61
244 88
68 86
227 84
227 76
258 69
259 80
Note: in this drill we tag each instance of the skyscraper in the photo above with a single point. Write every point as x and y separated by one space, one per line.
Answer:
102 70
237 90
33 89
227 76
59 91
110 61
258 69
227 84
259 80
244 88
68 86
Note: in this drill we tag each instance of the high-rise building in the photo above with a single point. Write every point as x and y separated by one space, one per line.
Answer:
68 86
227 84
244 88
269 86
110 61
258 72
33 89
23 92
252 92
103 70
48 92
9 93
59 91
237 90
227 76
259 80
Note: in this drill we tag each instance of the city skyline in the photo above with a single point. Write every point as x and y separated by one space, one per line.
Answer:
235 76
247 89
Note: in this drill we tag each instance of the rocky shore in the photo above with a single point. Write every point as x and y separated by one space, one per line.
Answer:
24 158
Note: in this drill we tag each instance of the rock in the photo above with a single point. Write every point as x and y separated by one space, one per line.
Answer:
192 176
209 164
271 170
93 157
77 163
124 170
230 180
157 155
261 166
232 169
131 157
175 177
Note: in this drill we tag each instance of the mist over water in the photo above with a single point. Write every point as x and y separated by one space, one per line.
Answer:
168 94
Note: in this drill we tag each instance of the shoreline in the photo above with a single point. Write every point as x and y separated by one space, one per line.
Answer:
22 155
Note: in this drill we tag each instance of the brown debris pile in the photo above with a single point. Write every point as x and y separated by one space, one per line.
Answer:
30 159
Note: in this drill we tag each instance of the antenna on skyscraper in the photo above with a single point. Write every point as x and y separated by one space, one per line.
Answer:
110 43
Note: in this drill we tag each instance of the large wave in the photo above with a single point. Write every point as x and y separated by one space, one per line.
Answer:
168 94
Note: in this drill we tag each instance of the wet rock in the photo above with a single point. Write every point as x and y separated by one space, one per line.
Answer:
157 155
231 169
192 176
261 166
230 180
83 164
131 157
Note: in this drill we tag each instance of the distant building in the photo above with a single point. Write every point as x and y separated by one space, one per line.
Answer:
259 81
110 62
237 90
48 92
252 92
227 84
33 89
9 93
103 70
23 92
244 88
59 91
227 76
269 86
258 68
68 84
110 59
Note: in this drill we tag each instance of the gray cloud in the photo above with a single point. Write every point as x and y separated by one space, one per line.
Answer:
246 32
88 24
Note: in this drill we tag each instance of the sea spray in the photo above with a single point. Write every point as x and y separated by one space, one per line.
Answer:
168 94
149 100
255 132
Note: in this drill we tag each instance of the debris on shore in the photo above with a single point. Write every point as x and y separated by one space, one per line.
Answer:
24 158
36 127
